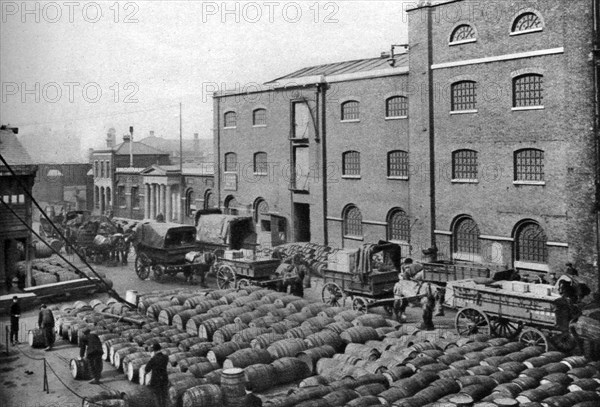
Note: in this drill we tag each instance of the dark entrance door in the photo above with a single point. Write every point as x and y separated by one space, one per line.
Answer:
302 222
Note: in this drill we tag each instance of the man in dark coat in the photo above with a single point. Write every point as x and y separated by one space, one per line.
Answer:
46 323
159 382
91 343
15 314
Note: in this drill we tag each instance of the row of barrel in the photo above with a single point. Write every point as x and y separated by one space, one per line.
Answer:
52 270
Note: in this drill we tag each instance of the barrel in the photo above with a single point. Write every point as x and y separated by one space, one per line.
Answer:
312 355
359 334
187 343
260 377
219 353
483 370
210 326
122 353
201 369
516 367
575 361
180 320
174 358
536 373
79 369
584 384
248 334
340 397
178 388
103 396
233 385
290 369
585 372
133 365
544 359
113 348
246 357
371 320
561 378
504 377
201 348
166 315
370 353
325 337
206 395
301 332
263 341
35 338
542 392
248 317
225 333
526 383
556 367
284 326
347 315
286 348
192 326
265 321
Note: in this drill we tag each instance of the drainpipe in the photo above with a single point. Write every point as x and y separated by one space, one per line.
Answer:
217 163
432 174
322 115
596 67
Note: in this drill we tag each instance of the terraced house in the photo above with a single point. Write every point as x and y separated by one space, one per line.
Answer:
477 144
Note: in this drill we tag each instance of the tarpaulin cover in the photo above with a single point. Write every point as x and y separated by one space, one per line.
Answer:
155 234
224 229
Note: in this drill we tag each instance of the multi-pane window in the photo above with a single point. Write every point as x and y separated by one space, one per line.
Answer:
464 165
259 117
351 163
464 96
527 90
352 222
231 163
398 226
350 110
230 119
135 197
397 164
121 195
396 106
531 244
260 163
529 165
463 32
466 237
527 21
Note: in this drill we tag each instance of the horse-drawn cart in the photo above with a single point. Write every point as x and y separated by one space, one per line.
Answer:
243 272
536 314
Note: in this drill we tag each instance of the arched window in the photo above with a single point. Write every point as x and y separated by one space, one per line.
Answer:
230 206
528 90
230 119
209 200
260 163
231 164
462 33
464 165
396 106
190 203
259 117
466 237
398 227
464 96
528 21
351 163
529 165
96 197
530 243
352 222
350 110
261 215
397 164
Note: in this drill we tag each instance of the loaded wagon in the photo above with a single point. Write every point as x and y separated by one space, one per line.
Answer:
536 314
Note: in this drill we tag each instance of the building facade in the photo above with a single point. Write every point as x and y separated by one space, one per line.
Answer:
64 186
479 144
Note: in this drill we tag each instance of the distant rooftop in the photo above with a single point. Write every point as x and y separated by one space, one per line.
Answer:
12 150
139 148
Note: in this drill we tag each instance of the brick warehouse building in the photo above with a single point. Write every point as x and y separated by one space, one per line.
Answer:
480 142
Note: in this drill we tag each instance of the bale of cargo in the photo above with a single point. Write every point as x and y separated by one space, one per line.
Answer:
290 369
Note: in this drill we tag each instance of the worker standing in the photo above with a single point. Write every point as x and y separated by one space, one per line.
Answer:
46 323
400 302
15 314
159 382
571 271
412 271
91 347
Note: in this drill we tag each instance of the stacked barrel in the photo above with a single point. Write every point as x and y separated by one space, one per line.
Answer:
52 270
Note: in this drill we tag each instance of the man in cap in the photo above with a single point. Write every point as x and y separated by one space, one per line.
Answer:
15 314
91 347
46 323
159 382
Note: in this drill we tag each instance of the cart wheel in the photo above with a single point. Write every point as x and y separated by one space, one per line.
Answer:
470 321
244 282
505 327
225 277
534 337
158 273
360 304
143 266
332 294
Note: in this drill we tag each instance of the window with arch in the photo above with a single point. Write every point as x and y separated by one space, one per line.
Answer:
190 203
230 119
350 110
531 243
209 200
528 90
260 163
529 165
261 215
352 222
466 237
230 206
462 33
525 22
396 106
464 165
398 227
464 96
397 164
97 197
259 117
231 163
351 164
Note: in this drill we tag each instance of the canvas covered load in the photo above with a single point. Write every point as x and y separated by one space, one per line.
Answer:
235 232
164 235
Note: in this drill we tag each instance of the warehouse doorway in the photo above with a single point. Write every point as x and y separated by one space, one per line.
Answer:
302 222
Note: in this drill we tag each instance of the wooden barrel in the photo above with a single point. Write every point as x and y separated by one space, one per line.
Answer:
371 320
471 380
359 334
367 352
248 317
214 377
290 369
122 353
154 309
180 319
372 389
263 341
201 348
178 388
556 367
225 333
318 323
340 397
526 383
233 386
536 372
174 358
260 377
193 324
219 352
117 346
205 395
347 315
339 327
141 338
248 334
265 321
177 339
325 337
540 393
575 361
544 359
79 369
157 330
504 376
584 384
301 332
585 372
166 315
560 378
452 374
284 326
184 364
286 348
210 326
104 396
246 357
187 343
397 373
279 312
312 355
201 369
134 363
107 344
35 338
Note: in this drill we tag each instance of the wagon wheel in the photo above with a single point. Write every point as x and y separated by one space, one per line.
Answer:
505 327
332 294
470 321
243 283
158 273
225 277
360 304
143 265
534 337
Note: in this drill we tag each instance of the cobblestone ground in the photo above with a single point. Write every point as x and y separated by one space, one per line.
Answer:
22 369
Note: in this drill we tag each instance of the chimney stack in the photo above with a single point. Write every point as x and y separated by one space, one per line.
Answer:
111 138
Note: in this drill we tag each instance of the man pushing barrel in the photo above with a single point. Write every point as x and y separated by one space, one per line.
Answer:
91 344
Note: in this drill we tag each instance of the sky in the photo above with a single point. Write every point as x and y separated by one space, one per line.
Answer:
71 70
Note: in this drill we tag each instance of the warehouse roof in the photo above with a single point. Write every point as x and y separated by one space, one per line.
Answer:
12 150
